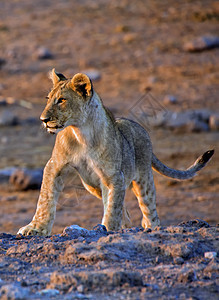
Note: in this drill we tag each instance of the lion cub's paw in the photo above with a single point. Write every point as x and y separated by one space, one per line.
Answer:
32 230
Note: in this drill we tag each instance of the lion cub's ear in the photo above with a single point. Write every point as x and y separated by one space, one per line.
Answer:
56 77
81 84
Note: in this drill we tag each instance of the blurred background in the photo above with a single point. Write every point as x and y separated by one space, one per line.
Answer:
153 61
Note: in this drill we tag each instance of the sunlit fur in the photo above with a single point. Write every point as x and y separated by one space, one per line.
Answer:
109 155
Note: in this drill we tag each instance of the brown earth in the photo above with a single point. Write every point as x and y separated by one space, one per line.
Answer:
135 46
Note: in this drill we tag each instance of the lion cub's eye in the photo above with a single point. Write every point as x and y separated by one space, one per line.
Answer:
60 101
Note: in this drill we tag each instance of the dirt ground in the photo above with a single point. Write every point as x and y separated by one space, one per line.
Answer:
134 46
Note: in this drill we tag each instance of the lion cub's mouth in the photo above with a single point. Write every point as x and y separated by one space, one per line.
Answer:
53 129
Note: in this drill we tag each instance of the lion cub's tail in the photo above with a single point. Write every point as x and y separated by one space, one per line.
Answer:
158 166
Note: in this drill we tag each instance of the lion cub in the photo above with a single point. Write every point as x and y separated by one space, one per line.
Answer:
109 155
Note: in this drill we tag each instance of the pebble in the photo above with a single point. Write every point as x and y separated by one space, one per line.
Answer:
178 260
3 101
2 62
80 288
210 255
93 74
202 43
187 276
44 53
214 122
100 228
8 198
152 79
49 292
169 99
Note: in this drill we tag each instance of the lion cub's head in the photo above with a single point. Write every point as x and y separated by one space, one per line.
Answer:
67 102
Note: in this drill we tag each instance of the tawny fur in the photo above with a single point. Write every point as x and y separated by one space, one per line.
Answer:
109 155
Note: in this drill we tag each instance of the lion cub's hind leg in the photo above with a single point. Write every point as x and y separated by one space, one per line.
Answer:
144 190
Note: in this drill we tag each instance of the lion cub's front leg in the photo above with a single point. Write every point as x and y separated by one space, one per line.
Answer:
43 219
113 199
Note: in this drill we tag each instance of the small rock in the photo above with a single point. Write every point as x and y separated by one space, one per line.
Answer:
214 122
202 43
7 118
11 100
6 173
24 179
169 99
44 53
13 292
203 114
195 223
187 276
178 260
49 292
80 288
158 260
2 62
31 121
2 86
188 121
3 101
4 140
100 228
93 74
195 126
152 79
129 37
210 255
76 231
9 198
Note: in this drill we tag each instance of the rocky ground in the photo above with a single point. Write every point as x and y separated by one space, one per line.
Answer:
155 62
174 262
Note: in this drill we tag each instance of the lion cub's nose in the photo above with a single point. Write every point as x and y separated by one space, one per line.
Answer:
45 120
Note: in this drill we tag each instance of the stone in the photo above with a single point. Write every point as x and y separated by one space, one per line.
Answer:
80 288
202 43
7 118
93 74
44 53
195 223
8 198
187 276
6 173
214 122
178 260
169 99
3 101
13 292
76 231
49 292
24 179
188 121
2 62
210 255
99 228
184 121
195 126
